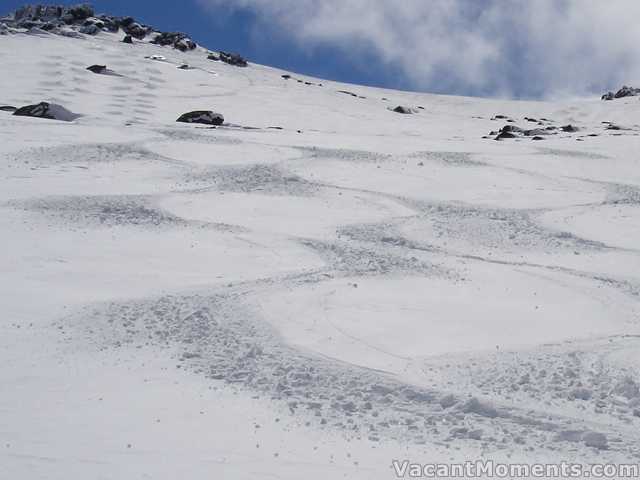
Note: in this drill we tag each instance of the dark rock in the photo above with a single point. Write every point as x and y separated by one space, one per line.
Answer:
50 26
233 59
42 13
46 110
537 138
403 110
214 57
530 119
206 117
29 24
93 21
536 132
569 129
499 117
623 92
126 22
109 23
127 39
81 12
613 126
286 77
185 44
505 135
511 128
7 108
4 29
97 68
91 29
136 30
177 40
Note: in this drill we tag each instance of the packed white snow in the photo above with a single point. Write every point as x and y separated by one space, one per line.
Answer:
315 288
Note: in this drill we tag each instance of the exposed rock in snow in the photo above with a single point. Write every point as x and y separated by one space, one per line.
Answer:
159 58
206 117
177 40
127 39
233 59
46 110
623 92
7 108
109 23
97 68
80 12
402 109
91 26
136 30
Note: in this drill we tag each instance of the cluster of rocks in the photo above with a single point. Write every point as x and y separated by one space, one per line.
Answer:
623 92
306 82
355 95
82 19
513 131
177 40
229 58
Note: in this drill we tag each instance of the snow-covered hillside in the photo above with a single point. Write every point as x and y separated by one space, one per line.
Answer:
313 289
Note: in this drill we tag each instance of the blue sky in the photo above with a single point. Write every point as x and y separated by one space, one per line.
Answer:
498 48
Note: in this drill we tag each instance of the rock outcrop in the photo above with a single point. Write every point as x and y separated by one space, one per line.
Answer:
623 92
80 18
233 59
178 40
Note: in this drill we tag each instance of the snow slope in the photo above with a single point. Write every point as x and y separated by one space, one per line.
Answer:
308 301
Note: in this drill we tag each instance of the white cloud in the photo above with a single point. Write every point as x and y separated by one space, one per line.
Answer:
498 47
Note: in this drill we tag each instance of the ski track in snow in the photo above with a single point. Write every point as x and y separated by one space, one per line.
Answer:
542 398
222 336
